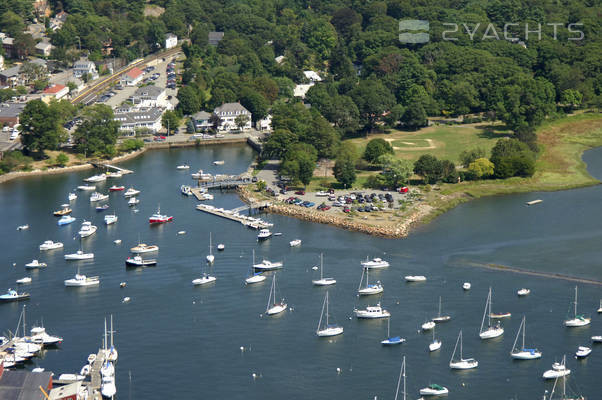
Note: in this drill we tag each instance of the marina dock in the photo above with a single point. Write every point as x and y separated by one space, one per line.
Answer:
233 215
113 168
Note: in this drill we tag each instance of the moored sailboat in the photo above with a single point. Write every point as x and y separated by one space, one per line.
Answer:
461 363
491 331
328 329
369 289
323 281
273 306
391 340
254 277
523 353
578 319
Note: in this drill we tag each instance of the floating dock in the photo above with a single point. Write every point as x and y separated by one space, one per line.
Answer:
233 215
533 202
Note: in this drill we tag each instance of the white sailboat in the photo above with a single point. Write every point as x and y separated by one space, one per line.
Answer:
323 281
210 256
112 353
402 372
462 363
523 353
578 319
273 306
435 344
328 329
369 289
439 317
391 340
254 277
204 279
600 308
490 331
107 371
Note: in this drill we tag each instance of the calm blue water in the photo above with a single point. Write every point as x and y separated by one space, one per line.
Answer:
181 341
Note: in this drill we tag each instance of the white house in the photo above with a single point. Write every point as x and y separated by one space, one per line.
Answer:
264 124
133 119
201 121
151 96
1 62
312 76
228 113
56 91
43 49
83 67
171 40
132 77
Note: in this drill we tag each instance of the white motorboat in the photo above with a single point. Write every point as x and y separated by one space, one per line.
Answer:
523 353
72 196
25 280
82 280
578 319
138 261
274 307
369 289
435 344
96 178
144 248
79 255
116 174
183 166
462 363
91 358
441 318
71 377
323 281
523 292
86 187
375 263
254 277
40 336
264 234
110 219
126 299
205 279
35 264
434 390
131 192
201 175
65 220
427 326
221 247
218 162
107 386
391 340
22 227
96 196
87 229
13 295
133 201
50 245
266 265
600 308
85 371
597 339
185 190
372 312
489 331
415 278
295 243
210 257
328 329
205 196
583 352
558 370
466 286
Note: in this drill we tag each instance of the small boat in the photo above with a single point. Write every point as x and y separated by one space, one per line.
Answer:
273 306
558 370
181 232
435 344
295 243
523 292
219 162
22 281
12 295
126 300
462 363
185 190
375 263
22 227
583 352
415 278
597 339
86 187
116 174
85 371
183 166
599 309
138 261
491 331
201 175
266 265
107 385
158 218
434 390
264 234
96 178
466 286
91 358
328 329
204 280
205 196
390 341
65 220
40 336
87 229
323 281
72 197
131 192
82 280
123 284
369 289
50 245
63 211
133 201
501 315
439 317
221 247
102 208
144 248
523 353
428 325
115 188
117 241
533 202
254 277
210 257
35 264
71 377
79 255
96 196
110 219
372 312
577 320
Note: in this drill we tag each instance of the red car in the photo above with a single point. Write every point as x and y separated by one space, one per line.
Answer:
403 189
346 209
300 192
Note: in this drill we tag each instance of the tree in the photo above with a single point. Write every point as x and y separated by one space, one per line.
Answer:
190 126
255 103
41 128
512 158
241 121
170 121
395 172
322 136
98 132
215 122
188 100
299 162
24 45
11 23
320 36
481 168
62 159
571 98
376 148
372 99
278 143
429 167
414 116
468 156
344 166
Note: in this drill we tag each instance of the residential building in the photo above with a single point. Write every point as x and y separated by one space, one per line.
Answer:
264 124
58 20
83 67
133 119
10 77
215 38
312 76
56 91
201 121
8 45
151 96
132 77
228 113
23 384
9 113
43 49
171 40
1 62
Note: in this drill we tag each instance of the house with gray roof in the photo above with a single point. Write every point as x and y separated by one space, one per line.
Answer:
228 113
43 49
10 77
9 113
201 121
83 67
215 38
133 119
150 96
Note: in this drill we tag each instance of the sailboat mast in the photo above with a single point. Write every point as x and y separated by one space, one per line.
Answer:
24 323
326 309
111 330
209 243
402 373
362 278
322 267
524 328
489 312
575 301
439 307
461 340
105 337
322 314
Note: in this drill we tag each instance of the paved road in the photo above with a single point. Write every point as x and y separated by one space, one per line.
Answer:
6 144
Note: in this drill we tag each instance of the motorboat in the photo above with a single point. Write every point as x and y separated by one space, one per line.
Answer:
295 243
87 229
523 292
115 174
434 390
183 166
466 286
158 218
91 358
144 248
204 280
13 295
578 319
86 188
50 245
71 377
102 208
96 178
583 352
369 289
522 352
375 263
123 284
328 329
40 336
82 280
461 363
205 196
133 201
266 265
415 278
72 197
201 175
22 227
264 234
85 371
218 162
117 241
599 309
96 196
274 307
126 299
185 190
138 261
372 312
427 326
107 386
79 255
323 281
131 192
391 340
558 370
65 220
490 331
116 188
110 219
501 315
597 339
221 247
65 210
35 264
25 280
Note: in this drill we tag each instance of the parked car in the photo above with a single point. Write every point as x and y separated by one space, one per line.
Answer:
300 192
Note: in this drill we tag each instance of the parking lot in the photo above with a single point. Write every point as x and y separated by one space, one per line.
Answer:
6 144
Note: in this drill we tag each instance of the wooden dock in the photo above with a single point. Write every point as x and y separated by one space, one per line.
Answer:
254 223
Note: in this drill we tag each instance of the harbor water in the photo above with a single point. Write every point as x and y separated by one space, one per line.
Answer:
180 341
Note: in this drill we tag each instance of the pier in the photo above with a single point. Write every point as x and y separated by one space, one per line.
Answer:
112 167
233 215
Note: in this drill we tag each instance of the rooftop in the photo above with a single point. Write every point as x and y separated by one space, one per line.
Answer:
149 91
10 110
23 385
230 107
137 116
201 115
134 73
54 88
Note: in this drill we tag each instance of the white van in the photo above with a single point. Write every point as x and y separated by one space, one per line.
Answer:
14 134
